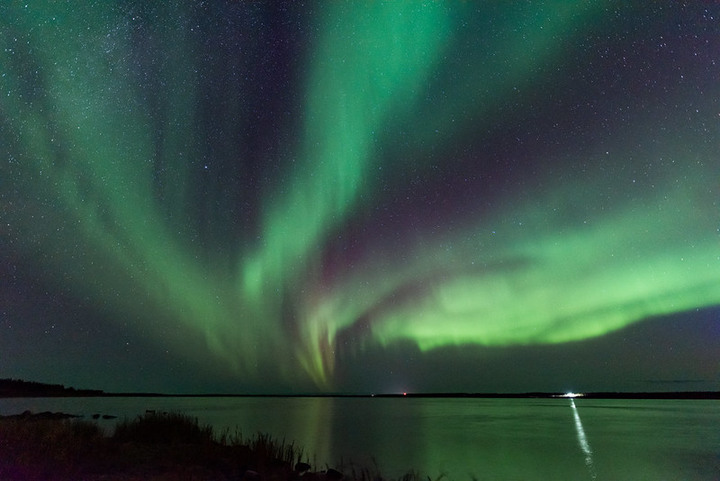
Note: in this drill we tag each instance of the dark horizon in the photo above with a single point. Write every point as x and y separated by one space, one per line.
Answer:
21 388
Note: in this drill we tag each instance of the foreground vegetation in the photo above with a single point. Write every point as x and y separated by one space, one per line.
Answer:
152 447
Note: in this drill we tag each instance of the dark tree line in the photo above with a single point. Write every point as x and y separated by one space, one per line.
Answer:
20 388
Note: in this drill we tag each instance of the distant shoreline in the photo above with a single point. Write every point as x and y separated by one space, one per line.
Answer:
594 395
13 388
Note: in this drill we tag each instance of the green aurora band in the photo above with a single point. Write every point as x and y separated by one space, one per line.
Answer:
99 185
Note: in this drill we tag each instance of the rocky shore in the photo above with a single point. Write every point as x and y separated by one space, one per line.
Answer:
45 415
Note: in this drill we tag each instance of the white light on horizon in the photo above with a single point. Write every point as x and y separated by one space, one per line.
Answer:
572 394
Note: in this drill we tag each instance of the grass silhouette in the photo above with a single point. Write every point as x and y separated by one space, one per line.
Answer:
155 446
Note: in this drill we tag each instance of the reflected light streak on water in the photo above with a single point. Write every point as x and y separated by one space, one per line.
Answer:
582 440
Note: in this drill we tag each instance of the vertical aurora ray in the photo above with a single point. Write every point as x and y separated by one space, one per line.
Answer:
85 159
401 211
370 61
374 62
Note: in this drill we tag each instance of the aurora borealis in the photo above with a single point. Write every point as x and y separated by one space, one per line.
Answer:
291 197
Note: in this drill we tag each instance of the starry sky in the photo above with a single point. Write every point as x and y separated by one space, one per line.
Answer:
270 197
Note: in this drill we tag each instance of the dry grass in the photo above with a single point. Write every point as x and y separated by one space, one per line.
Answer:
167 428
160 447
48 449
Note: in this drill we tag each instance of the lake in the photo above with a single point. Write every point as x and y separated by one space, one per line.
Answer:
461 438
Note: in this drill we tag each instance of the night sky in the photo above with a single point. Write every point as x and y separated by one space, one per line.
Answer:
259 197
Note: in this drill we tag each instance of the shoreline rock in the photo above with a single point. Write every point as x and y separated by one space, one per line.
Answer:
45 415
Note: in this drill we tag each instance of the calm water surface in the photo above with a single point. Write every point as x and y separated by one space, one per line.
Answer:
483 439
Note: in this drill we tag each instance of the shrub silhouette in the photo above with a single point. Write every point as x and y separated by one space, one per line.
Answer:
165 428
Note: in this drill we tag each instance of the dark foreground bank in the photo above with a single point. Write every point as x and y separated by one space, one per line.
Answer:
152 447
